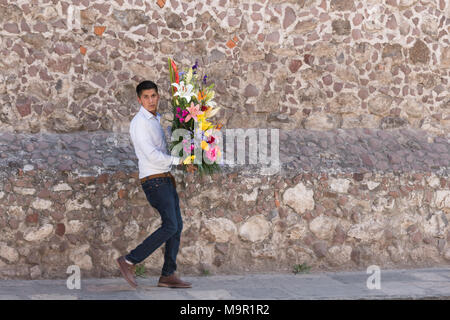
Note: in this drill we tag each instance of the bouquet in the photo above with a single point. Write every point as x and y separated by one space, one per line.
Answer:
194 137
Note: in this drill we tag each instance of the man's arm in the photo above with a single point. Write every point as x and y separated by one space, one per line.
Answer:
142 138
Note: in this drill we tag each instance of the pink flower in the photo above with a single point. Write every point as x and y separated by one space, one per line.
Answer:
212 153
194 111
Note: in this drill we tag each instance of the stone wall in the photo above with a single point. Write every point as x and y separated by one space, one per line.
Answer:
75 199
358 89
310 64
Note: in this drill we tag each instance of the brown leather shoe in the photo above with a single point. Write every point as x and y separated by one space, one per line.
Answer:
173 281
127 271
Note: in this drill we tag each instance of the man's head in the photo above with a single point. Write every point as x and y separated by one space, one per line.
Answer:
147 95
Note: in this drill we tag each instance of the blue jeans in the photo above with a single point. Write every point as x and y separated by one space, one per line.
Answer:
162 195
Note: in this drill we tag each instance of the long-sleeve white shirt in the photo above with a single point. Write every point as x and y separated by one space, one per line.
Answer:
150 145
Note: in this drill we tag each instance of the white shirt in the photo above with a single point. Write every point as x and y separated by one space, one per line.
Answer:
149 143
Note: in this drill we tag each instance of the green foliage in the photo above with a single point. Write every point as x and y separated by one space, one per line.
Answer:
208 169
206 272
140 271
301 268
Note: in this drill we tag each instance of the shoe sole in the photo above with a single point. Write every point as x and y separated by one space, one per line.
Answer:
124 276
172 286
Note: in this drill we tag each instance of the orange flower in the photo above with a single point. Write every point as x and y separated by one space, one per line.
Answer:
201 95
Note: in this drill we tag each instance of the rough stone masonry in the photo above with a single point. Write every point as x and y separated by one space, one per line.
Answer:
343 199
358 89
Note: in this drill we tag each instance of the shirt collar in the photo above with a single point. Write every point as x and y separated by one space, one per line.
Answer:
148 115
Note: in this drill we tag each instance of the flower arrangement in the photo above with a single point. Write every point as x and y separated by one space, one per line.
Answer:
194 137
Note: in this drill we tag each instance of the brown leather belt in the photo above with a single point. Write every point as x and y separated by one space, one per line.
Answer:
159 175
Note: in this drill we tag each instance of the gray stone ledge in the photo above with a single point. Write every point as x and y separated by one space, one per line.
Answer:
334 151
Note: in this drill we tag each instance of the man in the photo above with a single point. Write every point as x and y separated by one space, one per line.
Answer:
158 184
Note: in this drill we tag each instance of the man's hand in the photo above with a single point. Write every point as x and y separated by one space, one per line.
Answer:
191 168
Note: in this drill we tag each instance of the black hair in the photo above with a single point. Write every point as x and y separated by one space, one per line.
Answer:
145 85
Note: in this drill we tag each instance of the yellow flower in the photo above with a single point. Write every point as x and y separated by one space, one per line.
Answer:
189 76
205 125
205 145
201 117
188 160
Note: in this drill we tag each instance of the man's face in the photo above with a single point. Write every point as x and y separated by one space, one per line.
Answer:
149 100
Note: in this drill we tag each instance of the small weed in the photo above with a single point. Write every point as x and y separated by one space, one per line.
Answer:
301 268
140 271
206 272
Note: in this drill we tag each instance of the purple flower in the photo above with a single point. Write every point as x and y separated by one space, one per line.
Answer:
184 113
181 119
178 110
204 79
195 67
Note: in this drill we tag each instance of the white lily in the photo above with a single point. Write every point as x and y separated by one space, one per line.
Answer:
184 91
212 112
210 103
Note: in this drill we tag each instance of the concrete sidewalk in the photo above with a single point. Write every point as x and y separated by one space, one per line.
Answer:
394 284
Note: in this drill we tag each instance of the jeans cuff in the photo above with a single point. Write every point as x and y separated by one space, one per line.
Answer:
127 257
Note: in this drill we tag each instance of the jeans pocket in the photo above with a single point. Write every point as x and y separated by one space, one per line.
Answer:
151 187
146 185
